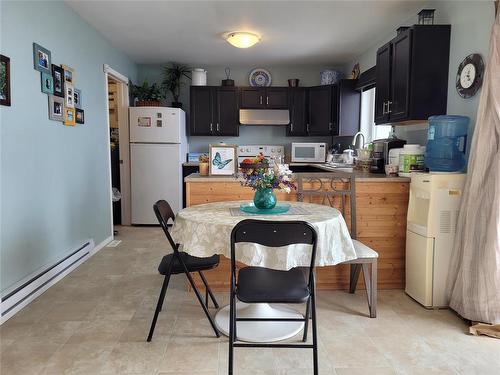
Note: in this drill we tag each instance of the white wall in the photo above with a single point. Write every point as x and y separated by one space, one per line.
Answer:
471 23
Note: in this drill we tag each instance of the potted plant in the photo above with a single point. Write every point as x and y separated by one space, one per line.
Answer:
203 164
263 178
146 95
172 75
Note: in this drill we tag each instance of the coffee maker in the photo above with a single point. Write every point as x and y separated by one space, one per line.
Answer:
380 152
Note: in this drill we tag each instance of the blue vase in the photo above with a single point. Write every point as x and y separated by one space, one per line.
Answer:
264 198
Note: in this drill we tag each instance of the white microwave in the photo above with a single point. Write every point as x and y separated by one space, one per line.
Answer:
308 152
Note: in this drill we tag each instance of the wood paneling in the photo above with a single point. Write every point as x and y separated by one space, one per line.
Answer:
380 224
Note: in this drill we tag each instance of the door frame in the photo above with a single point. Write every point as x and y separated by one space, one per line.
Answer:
124 140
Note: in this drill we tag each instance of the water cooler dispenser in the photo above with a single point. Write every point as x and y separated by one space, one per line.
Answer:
431 223
446 143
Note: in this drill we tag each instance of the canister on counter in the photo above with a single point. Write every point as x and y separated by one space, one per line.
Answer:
411 159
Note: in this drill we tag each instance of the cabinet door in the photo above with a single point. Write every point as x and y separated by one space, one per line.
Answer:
253 97
201 120
383 84
298 112
347 103
277 98
333 126
227 122
400 77
320 110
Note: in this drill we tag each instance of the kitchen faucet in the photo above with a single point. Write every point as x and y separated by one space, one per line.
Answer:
355 139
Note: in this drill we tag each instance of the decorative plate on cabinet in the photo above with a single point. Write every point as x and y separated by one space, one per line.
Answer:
259 78
470 75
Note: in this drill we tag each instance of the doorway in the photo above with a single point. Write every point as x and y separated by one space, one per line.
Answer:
117 103
114 145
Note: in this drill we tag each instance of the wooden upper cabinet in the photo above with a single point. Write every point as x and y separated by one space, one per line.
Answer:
264 97
398 105
277 97
412 75
320 110
228 122
316 111
214 111
253 97
346 108
298 111
201 121
383 82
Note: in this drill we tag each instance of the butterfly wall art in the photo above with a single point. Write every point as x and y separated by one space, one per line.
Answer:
219 163
222 160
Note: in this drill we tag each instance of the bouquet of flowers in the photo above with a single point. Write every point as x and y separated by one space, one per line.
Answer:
258 174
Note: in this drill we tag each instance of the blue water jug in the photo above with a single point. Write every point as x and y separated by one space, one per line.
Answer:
446 141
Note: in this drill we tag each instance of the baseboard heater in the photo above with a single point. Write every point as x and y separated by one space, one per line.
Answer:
31 287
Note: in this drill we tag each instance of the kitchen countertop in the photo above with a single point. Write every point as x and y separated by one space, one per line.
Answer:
360 177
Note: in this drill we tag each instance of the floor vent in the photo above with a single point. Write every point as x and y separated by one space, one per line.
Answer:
114 243
15 298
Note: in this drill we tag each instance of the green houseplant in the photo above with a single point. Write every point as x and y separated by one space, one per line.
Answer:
172 80
147 95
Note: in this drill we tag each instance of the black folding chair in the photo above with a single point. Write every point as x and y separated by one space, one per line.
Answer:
263 285
181 262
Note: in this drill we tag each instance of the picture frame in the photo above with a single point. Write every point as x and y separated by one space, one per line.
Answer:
77 98
58 78
223 160
41 59
69 116
47 83
5 80
56 108
69 99
79 116
144 122
69 74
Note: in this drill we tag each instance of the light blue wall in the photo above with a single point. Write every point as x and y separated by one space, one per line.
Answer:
471 23
275 135
55 179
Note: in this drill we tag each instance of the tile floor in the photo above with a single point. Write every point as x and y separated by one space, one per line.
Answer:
96 319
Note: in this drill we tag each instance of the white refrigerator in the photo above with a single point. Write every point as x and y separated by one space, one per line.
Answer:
158 147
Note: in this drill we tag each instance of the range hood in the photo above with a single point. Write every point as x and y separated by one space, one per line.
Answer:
264 116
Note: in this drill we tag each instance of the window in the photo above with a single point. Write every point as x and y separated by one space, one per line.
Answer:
367 126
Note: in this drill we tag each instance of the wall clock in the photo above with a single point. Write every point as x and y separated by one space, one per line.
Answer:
470 75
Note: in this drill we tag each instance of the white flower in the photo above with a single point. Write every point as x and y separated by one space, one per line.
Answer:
282 170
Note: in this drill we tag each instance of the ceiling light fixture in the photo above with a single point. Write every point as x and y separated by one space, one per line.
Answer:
242 39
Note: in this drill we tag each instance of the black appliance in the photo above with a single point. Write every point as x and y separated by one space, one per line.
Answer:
380 154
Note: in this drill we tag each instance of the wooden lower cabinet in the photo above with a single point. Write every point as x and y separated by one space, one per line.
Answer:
380 224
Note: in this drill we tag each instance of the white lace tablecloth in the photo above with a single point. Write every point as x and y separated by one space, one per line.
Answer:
205 230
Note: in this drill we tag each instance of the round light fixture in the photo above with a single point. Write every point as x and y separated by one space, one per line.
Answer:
241 39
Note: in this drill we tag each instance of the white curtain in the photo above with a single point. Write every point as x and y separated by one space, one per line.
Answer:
474 278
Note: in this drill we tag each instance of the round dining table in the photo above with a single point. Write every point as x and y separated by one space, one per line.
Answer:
204 230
